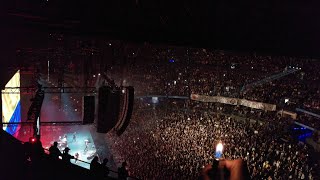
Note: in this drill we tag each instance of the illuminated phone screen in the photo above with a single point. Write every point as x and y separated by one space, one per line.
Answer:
219 151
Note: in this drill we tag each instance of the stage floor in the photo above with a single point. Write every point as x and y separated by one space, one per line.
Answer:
77 145
59 113
98 143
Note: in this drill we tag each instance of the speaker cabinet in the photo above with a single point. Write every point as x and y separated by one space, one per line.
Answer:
88 109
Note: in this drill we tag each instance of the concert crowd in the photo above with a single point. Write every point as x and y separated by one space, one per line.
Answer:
177 139
180 72
174 140
178 143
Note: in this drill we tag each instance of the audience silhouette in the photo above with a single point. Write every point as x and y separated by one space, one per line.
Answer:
94 165
66 157
54 151
122 171
104 168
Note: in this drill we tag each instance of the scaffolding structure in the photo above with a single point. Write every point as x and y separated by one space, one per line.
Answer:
32 90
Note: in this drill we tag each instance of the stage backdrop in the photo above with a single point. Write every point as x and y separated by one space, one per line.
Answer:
11 108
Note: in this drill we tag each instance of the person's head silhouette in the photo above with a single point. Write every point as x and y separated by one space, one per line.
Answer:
105 161
66 150
95 159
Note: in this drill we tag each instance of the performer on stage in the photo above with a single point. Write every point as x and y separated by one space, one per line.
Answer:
59 142
76 156
65 141
74 138
86 144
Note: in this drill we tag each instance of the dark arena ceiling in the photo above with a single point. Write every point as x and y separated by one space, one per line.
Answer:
244 25
275 27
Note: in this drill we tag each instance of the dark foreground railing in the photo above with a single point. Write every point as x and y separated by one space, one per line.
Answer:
113 171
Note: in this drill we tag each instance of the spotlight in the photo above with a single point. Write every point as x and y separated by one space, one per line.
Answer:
32 140
99 74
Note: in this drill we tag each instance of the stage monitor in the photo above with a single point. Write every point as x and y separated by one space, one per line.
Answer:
11 107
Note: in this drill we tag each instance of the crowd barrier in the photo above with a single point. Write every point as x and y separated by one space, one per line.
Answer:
308 112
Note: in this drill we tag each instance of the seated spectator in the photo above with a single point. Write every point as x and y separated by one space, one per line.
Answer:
94 166
54 151
66 157
104 168
123 172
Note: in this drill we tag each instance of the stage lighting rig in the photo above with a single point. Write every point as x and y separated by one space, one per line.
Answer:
35 109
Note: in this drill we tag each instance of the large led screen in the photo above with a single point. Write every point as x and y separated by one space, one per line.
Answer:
11 107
